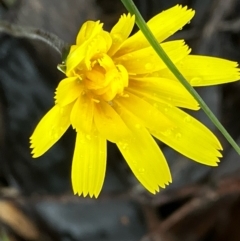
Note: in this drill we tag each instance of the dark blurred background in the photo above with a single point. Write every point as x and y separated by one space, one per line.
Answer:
36 200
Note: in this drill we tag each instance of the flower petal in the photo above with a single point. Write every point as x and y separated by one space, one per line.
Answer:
147 61
68 90
90 34
74 58
162 90
83 53
204 70
121 31
88 30
143 154
100 44
89 164
148 115
109 123
191 138
162 26
49 130
82 114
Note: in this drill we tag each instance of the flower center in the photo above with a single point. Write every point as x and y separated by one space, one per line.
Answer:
103 78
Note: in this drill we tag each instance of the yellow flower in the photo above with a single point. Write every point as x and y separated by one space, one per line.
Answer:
118 89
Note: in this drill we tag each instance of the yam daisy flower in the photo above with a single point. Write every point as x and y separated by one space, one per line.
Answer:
117 89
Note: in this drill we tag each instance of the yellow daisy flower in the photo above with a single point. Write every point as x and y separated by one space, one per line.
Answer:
118 89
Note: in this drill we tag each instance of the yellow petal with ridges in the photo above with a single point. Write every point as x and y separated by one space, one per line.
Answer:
84 53
50 129
162 26
99 44
143 154
147 61
147 114
87 35
89 164
191 138
82 114
121 31
109 124
68 90
162 90
75 57
88 30
205 71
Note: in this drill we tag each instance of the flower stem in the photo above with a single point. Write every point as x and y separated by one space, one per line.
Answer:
130 6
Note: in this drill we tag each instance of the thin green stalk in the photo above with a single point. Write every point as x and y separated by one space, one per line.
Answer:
130 6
